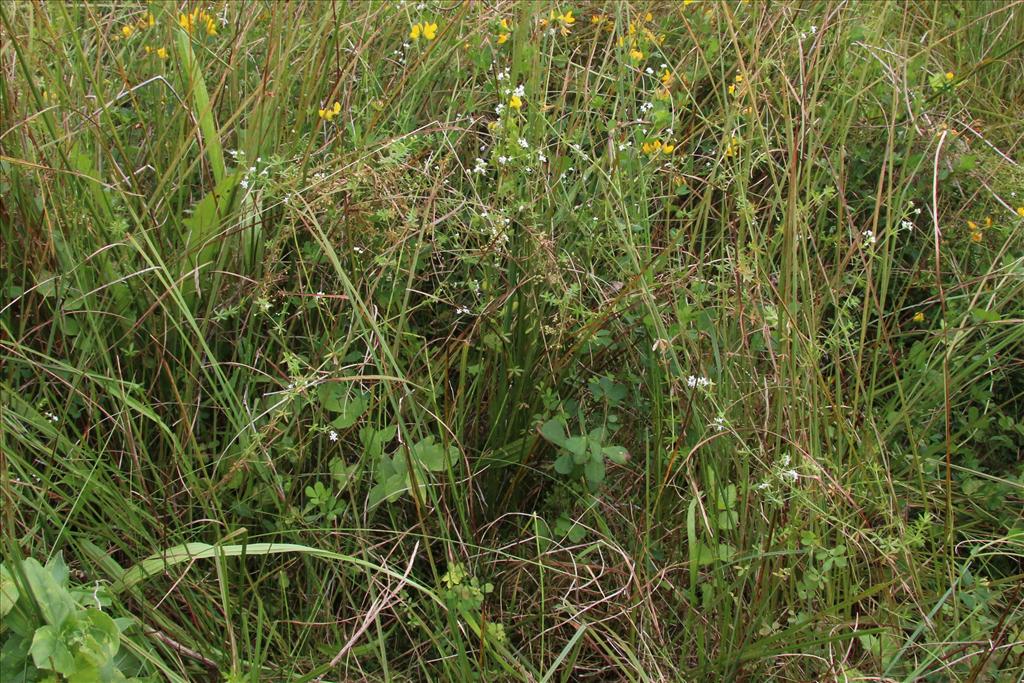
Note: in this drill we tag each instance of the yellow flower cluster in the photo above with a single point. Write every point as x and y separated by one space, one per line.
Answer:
976 233
424 29
506 29
735 88
563 21
160 52
653 149
145 21
330 112
197 19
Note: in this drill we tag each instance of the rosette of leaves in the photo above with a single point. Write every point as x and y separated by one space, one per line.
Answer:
52 632
582 455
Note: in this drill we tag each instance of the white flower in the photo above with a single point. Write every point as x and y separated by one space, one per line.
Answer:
500 108
523 143
520 90
646 107
869 237
698 382
541 158
718 424
907 225
502 159
333 436
481 166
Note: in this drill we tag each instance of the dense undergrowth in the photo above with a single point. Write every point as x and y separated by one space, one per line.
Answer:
512 341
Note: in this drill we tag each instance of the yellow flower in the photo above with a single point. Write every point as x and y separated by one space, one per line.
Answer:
949 76
196 18
687 2
919 317
430 31
976 235
417 30
972 225
505 26
597 19
149 19
502 38
732 89
988 221
331 111
666 78
516 102
127 31
648 17
636 55
668 149
1020 211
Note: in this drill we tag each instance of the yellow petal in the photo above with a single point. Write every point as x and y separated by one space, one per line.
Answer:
414 34
429 31
502 39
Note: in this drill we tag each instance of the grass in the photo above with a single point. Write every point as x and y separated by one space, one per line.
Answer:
702 363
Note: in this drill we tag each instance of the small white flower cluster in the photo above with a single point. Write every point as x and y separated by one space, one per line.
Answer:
253 174
646 107
695 382
719 424
503 74
462 310
333 435
813 31
50 416
520 91
523 143
869 237
480 167
781 473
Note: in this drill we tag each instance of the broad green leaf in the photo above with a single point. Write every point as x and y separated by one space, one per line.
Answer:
8 591
594 471
351 410
52 596
617 454
49 651
432 456
554 431
564 464
577 445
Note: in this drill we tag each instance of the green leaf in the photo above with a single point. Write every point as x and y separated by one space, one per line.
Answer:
617 454
351 410
48 586
577 445
564 464
95 636
594 471
390 490
49 651
8 591
982 315
432 456
554 431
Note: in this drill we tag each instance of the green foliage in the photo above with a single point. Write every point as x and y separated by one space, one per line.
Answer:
51 629
692 327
